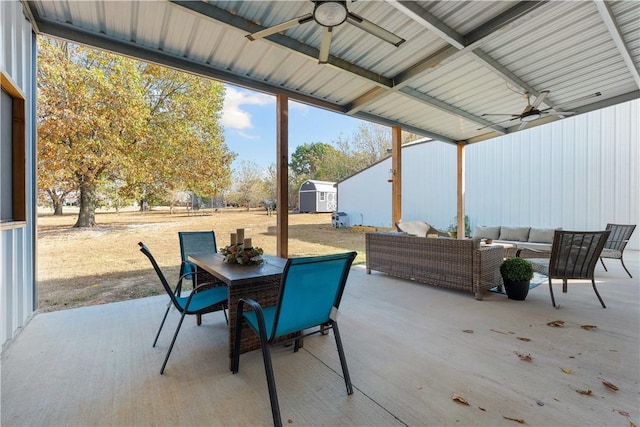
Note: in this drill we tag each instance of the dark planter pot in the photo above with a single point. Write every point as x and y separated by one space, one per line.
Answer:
516 290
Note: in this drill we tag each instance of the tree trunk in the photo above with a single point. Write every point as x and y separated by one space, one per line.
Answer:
57 206
56 201
87 214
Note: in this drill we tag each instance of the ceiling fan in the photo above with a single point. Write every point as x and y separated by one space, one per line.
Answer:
531 111
330 14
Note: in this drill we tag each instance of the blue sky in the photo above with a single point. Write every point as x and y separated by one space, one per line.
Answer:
249 120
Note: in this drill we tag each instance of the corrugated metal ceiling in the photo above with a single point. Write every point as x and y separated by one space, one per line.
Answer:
460 59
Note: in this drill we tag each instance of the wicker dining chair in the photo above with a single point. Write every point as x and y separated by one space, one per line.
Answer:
574 255
310 292
617 241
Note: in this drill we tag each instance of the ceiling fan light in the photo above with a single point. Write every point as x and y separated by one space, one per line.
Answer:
330 13
530 117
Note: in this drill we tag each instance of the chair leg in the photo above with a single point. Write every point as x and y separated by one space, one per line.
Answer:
199 319
593 282
625 268
161 324
343 360
224 310
235 361
553 300
173 341
271 381
602 262
564 286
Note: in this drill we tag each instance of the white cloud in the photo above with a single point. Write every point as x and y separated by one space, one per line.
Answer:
233 116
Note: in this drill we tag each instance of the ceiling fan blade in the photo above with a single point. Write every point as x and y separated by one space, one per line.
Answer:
499 123
374 29
541 96
558 113
593 95
523 125
324 47
280 27
500 114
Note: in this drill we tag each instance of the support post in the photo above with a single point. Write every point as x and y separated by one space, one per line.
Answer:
396 165
282 172
461 189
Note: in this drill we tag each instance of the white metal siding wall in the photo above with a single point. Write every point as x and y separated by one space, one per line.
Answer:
429 187
578 173
17 246
366 197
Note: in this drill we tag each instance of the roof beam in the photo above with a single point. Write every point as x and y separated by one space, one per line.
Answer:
459 45
609 20
133 50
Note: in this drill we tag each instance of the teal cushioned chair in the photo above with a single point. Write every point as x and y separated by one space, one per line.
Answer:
197 243
310 292
198 301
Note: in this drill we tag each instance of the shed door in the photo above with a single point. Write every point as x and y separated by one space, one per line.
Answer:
331 201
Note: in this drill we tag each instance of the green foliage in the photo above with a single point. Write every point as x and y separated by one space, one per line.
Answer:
453 226
104 117
516 269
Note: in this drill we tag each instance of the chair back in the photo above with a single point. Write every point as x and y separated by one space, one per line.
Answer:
310 288
574 253
619 236
145 250
195 243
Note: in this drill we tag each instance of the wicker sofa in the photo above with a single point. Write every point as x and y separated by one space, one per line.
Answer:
450 263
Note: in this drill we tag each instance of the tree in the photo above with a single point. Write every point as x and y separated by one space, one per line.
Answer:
105 117
309 158
248 186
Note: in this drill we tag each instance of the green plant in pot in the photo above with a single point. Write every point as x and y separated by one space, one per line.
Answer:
516 275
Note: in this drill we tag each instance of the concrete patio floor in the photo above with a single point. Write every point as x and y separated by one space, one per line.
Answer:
410 348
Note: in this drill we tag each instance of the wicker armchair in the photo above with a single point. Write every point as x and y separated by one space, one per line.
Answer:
614 247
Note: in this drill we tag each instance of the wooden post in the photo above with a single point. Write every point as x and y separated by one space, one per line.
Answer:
282 172
461 182
396 165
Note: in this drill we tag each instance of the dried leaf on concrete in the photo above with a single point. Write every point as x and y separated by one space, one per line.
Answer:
524 356
584 392
556 323
588 327
467 331
566 370
610 386
459 398
518 420
524 339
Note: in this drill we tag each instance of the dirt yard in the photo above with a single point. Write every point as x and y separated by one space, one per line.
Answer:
80 267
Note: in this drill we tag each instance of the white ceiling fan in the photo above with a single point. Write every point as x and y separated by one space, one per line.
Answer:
531 111
330 14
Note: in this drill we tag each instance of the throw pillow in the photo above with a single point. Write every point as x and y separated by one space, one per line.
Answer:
515 234
541 235
482 232
414 228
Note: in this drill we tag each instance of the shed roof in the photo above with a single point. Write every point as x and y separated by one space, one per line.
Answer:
461 60
320 185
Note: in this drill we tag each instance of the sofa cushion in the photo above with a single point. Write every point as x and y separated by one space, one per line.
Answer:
482 232
541 235
414 228
515 234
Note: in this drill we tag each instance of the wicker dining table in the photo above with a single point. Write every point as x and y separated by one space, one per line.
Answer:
259 282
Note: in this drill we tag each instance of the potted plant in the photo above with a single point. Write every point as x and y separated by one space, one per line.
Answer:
516 275
453 227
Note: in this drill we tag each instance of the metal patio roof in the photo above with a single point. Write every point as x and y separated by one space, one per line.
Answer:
461 59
